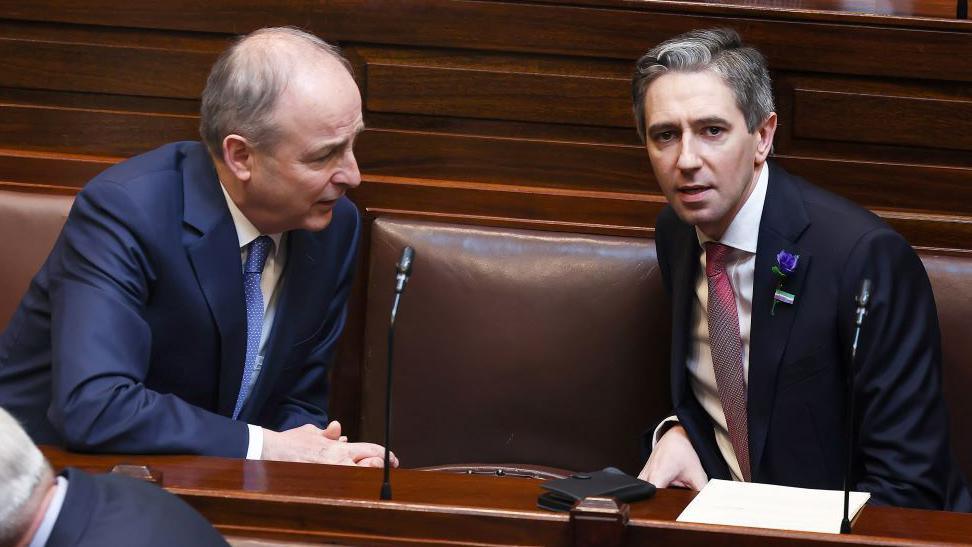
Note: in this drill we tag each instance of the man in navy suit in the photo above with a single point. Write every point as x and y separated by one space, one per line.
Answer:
195 295
78 509
762 269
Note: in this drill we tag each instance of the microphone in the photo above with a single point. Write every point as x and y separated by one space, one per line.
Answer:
402 272
403 269
862 299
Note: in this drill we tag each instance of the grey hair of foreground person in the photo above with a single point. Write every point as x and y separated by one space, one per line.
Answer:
23 470
247 80
718 50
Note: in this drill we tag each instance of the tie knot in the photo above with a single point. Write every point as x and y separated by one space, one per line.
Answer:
716 255
257 257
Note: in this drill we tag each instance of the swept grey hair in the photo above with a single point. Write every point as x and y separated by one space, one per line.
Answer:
22 467
719 50
247 80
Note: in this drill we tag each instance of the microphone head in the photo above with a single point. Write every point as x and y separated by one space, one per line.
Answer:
864 294
404 266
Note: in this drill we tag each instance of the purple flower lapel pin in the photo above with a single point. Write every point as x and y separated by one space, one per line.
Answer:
786 264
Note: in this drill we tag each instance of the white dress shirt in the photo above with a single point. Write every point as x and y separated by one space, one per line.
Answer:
43 532
742 235
270 283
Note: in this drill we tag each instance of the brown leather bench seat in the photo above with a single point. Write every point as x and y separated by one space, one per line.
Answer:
515 346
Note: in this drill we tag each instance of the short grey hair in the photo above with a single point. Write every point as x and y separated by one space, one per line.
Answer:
719 50
246 82
22 468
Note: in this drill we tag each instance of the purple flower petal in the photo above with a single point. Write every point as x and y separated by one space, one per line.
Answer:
787 262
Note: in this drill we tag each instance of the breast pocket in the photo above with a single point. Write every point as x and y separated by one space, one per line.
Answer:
800 369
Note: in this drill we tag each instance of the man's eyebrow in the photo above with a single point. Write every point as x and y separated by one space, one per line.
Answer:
338 142
661 127
711 120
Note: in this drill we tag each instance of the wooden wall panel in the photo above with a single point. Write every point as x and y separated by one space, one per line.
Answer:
502 160
95 132
499 95
223 16
58 172
830 115
112 61
889 186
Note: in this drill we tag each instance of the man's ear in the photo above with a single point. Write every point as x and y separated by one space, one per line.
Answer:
238 156
764 134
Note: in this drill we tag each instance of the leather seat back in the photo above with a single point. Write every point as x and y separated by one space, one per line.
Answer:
29 224
951 279
518 346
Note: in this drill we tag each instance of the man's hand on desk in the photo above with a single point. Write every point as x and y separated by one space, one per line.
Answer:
673 462
314 445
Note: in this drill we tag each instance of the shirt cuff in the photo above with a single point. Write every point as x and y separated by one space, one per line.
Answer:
254 447
662 428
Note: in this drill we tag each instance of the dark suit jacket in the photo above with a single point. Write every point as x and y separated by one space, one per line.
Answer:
799 358
131 338
101 510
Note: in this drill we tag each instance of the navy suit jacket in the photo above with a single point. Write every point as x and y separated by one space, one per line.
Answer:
131 338
799 357
101 510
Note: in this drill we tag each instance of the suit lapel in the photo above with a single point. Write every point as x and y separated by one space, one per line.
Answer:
301 274
783 220
213 249
82 502
684 271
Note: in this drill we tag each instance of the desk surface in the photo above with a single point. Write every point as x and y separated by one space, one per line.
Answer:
318 503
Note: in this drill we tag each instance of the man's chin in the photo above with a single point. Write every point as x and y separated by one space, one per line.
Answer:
693 215
318 221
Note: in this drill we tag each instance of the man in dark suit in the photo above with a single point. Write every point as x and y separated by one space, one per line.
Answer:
78 509
195 295
762 269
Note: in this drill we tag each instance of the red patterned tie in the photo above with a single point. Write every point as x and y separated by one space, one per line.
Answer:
726 348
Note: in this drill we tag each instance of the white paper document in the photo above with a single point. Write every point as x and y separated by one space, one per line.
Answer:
770 506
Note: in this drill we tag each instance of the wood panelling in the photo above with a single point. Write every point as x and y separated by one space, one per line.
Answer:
95 68
224 16
905 121
84 131
873 120
505 160
40 170
479 93
517 206
811 8
889 186
615 29
628 29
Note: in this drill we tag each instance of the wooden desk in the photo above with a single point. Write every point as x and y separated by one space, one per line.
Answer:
288 502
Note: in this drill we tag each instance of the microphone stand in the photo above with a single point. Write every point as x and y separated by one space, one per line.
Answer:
404 269
386 493
862 300
962 9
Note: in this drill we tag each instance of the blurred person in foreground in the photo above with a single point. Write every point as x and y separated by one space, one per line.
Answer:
76 508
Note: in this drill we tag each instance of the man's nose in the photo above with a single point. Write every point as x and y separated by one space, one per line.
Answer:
688 156
349 174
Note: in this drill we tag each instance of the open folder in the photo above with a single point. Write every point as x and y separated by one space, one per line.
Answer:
770 506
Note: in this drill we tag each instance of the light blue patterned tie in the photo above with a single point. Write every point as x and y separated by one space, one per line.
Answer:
252 272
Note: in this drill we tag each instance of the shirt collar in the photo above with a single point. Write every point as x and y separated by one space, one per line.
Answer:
43 532
743 231
245 230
